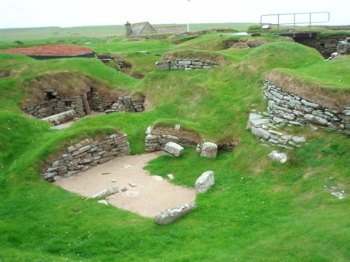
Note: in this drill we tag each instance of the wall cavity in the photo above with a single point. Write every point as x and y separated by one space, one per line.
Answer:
87 154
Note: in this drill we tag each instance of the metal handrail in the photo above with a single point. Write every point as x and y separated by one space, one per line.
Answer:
295 22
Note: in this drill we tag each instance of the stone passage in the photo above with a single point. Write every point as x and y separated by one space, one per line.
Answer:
288 108
185 64
87 154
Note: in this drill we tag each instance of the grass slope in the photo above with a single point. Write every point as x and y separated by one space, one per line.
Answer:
257 211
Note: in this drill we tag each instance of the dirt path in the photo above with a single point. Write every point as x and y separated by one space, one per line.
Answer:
144 194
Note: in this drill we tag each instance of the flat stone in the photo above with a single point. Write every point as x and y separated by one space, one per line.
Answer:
173 149
205 182
261 133
103 202
299 139
310 104
167 216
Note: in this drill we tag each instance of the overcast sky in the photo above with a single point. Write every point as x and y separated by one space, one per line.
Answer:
67 13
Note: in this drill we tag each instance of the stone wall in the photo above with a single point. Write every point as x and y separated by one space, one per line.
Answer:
326 45
53 103
288 108
157 138
87 154
343 47
185 64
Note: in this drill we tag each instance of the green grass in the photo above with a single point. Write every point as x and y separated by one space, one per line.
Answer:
331 74
257 211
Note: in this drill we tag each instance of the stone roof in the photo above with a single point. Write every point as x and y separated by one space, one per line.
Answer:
145 28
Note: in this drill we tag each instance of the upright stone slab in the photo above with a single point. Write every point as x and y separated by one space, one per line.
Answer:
205 182
170 215
173 149
209 150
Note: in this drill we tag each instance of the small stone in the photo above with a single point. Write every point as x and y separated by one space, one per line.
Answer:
132 185
177 127
104 174
278 156
170 176
114 181
124 189
104 202
158 178
299 139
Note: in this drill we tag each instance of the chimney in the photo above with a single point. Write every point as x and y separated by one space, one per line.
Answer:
128 30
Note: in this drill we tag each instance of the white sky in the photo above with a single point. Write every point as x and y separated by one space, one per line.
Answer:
66 13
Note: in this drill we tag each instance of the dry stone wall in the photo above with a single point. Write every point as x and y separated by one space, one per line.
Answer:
185 64
90 99
156 139
87 154
288 108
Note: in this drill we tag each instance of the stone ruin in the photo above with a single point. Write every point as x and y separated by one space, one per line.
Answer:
158 137
55 97
87 154
343 47
185 64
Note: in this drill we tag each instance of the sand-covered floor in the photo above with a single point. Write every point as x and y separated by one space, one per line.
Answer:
138 191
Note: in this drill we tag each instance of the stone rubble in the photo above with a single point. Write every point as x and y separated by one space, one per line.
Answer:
185 64
167 216
264 129
86 154
339 194
288 108
205 182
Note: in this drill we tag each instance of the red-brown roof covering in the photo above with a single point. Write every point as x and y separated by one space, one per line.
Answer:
50 50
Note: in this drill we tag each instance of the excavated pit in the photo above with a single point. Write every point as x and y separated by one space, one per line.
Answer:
62 97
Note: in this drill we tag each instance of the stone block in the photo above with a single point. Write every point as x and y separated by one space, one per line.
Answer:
205 182
173 149
209 150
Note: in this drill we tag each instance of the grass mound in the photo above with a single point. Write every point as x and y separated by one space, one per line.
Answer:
279 55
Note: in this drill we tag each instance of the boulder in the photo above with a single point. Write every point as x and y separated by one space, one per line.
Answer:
209 150
167 216
173 149
205 182
278 156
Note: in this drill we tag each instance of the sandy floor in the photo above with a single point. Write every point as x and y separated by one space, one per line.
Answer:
138 191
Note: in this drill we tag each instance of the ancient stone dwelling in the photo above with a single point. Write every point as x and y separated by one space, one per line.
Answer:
145 28
53 94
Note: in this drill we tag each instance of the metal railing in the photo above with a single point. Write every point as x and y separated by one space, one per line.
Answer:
294 19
